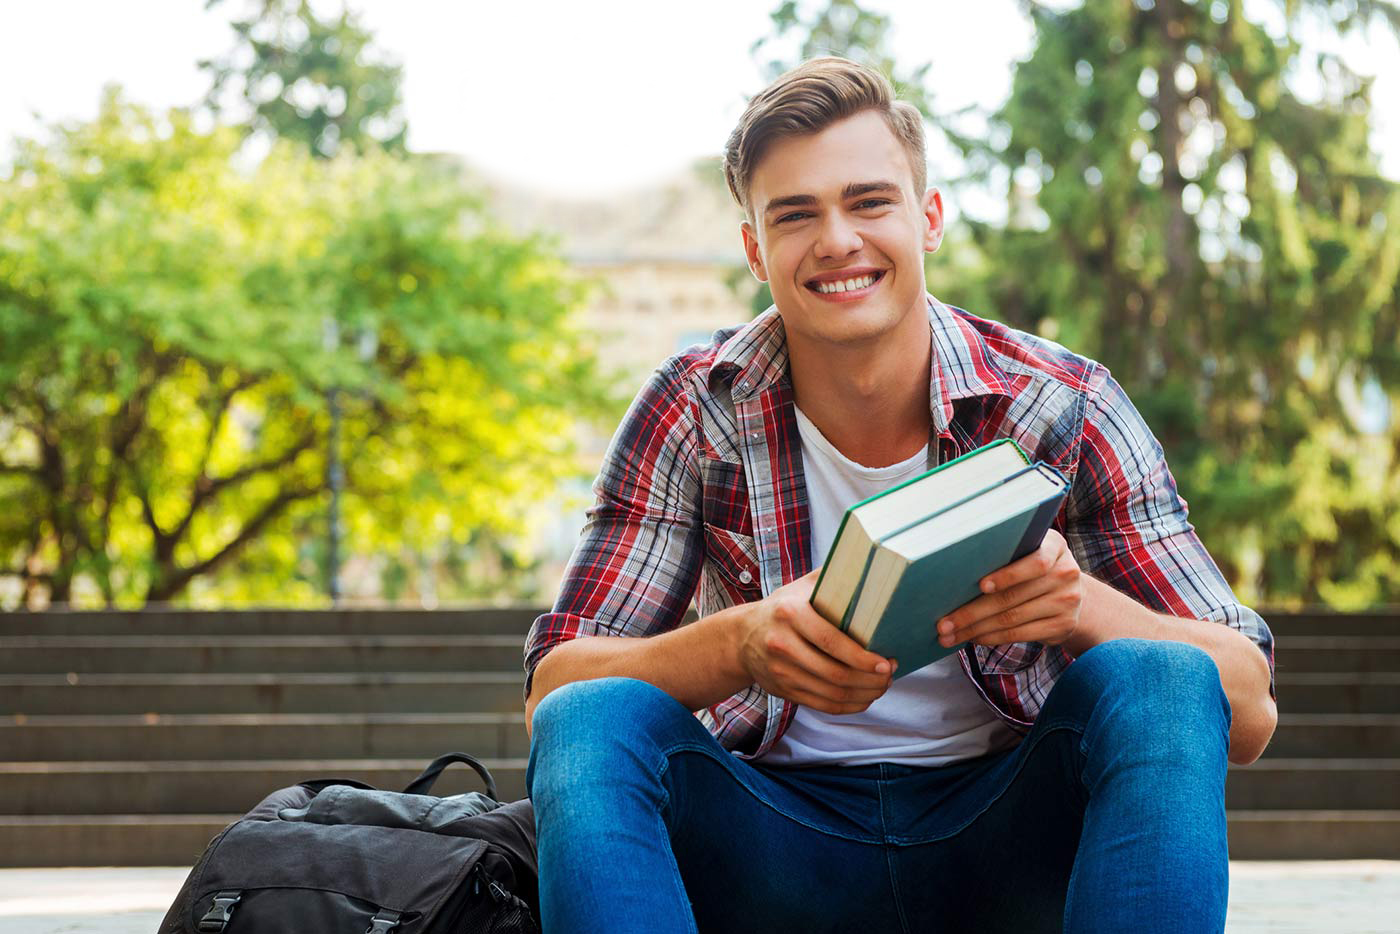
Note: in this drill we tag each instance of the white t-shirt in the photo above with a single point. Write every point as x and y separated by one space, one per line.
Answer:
933 716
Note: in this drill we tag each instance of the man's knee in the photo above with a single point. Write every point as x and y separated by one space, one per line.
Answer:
602 706
1151 685
600 728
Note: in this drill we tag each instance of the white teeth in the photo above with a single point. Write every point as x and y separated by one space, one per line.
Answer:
845 285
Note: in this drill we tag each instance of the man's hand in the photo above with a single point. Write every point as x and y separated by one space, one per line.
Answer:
1035 599
794 653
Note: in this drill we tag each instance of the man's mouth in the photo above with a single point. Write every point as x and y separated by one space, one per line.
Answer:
855 283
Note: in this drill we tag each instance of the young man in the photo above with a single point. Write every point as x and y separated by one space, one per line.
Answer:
756 769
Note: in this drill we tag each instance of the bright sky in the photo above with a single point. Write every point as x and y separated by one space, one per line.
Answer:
569 97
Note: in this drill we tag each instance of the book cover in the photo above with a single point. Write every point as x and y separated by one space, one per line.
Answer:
838 584
942 581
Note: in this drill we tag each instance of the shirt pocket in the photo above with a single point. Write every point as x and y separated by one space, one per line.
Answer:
731 558
1007 659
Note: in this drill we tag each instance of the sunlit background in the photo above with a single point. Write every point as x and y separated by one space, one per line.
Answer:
301 303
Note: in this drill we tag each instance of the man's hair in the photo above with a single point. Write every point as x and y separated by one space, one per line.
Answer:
807 100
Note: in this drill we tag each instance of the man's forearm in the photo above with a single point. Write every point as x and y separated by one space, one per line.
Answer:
697 664
1107 614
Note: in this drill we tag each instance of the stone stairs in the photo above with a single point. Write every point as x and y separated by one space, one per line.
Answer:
132 738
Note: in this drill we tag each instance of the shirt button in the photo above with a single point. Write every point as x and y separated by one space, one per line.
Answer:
746 577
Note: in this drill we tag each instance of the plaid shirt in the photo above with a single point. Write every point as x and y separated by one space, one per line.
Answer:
702 486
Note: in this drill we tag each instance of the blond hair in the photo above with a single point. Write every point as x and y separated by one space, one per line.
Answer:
807 100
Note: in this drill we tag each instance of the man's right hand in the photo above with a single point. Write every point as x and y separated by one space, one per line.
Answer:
792 652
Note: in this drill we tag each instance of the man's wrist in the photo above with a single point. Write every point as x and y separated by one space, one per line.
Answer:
1094 608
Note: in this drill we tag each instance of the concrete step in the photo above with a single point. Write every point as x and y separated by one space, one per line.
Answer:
200 786
1355 736
1338 654
160 737
460 622
1314 834
234 654
205 786
1293 784
1284 625
395 692
108 839
39 654
179 839
481 691
1337 692
164 737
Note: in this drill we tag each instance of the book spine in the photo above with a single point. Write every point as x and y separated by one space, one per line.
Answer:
1039 525
860 587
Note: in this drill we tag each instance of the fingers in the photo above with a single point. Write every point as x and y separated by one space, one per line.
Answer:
1032 566
828 676
837 644
981 609
1038 617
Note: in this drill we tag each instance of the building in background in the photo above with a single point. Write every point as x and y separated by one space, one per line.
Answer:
668 261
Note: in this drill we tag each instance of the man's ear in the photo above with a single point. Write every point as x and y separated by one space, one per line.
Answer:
752 253
933 214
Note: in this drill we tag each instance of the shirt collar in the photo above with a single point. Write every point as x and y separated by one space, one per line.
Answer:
757 356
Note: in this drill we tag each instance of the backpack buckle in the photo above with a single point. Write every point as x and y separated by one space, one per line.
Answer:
218 914
383 922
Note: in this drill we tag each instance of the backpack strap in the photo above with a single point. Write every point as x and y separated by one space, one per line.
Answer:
218 914
383 922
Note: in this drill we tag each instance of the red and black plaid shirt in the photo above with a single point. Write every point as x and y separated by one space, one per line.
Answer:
701 495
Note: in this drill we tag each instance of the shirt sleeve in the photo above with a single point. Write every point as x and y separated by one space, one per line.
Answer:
637 562
1127 526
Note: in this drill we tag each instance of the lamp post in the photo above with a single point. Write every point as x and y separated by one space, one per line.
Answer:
335 473
366 346
335 482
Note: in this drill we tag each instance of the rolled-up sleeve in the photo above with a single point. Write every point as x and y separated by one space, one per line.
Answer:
637 562
1127 525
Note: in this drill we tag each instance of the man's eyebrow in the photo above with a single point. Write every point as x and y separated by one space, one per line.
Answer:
856 189
789 201
853 190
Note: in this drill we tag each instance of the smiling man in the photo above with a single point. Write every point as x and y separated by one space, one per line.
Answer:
756 769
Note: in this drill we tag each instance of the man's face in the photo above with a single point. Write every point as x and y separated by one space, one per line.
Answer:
839 232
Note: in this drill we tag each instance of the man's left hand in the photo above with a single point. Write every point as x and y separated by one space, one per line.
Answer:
1035 599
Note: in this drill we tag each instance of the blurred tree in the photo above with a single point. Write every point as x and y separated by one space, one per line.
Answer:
1192 199
841 27
314 80
1183 210
164 364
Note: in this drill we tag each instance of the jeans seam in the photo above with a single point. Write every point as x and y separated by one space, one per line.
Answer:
889 851
687 746
1021 764
894 890
676 877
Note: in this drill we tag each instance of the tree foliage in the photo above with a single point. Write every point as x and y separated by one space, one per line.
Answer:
315 80
1180 209
166 317
1227 245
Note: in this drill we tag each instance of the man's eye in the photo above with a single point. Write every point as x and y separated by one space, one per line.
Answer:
794 216
871 203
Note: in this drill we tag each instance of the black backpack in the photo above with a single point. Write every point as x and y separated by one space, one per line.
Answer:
335 856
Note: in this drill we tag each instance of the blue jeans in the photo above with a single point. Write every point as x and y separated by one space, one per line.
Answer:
1109 816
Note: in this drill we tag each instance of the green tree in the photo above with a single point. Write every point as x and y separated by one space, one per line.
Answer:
845 28
315 80
163 370
1180 210
1226 245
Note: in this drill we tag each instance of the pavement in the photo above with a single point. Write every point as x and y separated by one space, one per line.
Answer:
1341 897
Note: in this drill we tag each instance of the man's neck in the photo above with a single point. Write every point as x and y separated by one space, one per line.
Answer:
871 402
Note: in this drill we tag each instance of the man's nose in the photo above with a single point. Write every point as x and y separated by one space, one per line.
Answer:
837 237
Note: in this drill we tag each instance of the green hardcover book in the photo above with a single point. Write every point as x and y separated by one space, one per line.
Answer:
909 555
